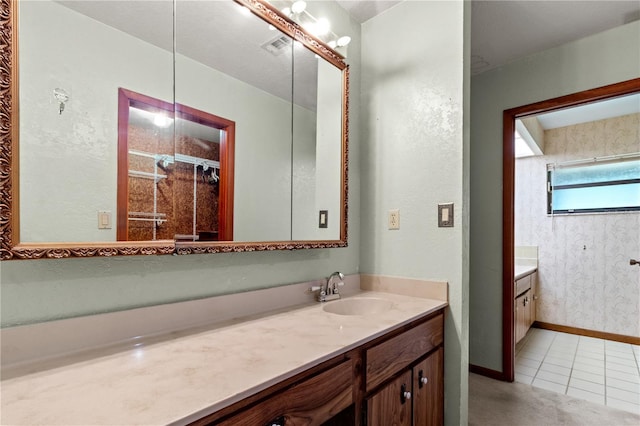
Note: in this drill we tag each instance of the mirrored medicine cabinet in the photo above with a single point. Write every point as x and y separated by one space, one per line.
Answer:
167 127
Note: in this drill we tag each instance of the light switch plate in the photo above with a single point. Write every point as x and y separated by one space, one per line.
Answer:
445 215
323 219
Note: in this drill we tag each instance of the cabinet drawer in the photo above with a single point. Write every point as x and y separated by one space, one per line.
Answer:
310 402
523 284
389 357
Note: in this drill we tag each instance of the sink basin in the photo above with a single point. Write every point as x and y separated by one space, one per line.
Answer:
358 306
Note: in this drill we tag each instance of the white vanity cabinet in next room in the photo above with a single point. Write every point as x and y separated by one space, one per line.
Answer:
526 296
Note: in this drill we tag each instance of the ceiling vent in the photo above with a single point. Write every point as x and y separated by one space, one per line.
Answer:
277 45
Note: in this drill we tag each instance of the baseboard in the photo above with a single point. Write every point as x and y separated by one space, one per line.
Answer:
589 333
487 372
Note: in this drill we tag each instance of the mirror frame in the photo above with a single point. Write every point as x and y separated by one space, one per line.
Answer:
10 245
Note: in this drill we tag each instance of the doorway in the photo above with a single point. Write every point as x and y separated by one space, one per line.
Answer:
508 231
175 171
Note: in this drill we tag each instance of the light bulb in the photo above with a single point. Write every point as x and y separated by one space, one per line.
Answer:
332 44
312 27
322 26
286 11
343 41
161 120
299 6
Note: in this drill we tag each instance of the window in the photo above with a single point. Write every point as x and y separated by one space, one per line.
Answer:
598 185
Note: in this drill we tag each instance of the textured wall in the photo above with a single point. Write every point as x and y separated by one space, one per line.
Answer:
413 152
69 161
592 287
594 61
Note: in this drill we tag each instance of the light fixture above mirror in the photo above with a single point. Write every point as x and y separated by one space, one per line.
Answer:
319 27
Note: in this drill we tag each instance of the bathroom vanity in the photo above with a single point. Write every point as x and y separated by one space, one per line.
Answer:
389 380
526 296
296 365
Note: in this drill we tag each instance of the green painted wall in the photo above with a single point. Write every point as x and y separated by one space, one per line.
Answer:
605 58
414 156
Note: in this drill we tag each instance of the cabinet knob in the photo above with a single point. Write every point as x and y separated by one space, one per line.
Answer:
279 421
421 379
404 394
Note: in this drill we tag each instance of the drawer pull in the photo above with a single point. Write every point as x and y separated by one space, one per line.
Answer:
422 380
404 394
278 421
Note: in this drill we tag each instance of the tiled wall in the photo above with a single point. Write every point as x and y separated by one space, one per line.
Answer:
584 274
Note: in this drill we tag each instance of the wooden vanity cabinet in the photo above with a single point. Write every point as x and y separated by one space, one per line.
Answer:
390 406
415 394
378 383
534 298
416 397
309 402
525 305
522 314
428 390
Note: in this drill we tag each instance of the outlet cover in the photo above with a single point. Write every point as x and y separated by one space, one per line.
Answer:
104 220
394 219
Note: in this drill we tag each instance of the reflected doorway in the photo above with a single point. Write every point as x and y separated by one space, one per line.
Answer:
175 172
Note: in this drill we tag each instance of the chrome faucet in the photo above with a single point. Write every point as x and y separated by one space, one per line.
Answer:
330 290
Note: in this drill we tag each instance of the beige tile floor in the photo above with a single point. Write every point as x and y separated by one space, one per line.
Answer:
595 370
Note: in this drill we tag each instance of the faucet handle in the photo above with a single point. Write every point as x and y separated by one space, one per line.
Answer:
316 288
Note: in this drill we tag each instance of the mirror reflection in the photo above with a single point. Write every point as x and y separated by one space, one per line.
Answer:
243 72
226 130
173 177
317 124
69 157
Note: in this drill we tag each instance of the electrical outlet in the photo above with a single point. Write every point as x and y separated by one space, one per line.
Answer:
104 220
394 219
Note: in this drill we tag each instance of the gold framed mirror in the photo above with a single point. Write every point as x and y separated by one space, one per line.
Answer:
28 225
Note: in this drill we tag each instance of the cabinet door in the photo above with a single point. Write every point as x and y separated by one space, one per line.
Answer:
394 355
428 390
527 311
390 406
310 402
534 297
520 317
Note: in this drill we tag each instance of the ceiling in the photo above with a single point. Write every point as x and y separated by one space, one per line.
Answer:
208 32
601 110
503 31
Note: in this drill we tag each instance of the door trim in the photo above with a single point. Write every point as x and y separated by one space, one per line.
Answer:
508 196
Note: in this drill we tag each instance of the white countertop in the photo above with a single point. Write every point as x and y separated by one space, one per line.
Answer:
185 377
523 270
